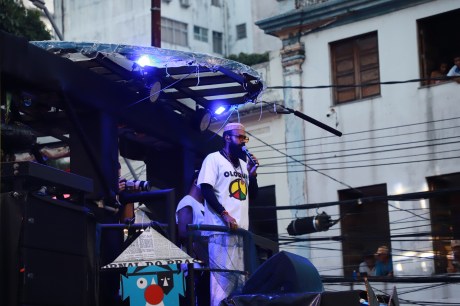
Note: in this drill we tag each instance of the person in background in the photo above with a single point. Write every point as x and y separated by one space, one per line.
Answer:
226 182
127 212
367 267
453 258
190 210
384 264
111 242
455 70
436 75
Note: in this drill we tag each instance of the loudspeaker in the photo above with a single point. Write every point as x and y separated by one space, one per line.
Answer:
349 298
284 273
47 251
54 278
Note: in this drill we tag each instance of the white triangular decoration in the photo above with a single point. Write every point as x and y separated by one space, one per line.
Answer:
150 248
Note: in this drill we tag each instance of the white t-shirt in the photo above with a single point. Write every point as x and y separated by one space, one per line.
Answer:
364 268
454 71
197 208
230 187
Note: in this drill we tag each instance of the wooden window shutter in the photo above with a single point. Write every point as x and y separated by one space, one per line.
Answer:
355 61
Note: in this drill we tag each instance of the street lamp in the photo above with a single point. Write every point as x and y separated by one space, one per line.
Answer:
41 5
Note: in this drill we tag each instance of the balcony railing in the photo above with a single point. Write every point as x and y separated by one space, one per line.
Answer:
303 3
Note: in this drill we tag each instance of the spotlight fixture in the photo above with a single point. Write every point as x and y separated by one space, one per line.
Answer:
319 223
155 91
220 110
201 119
144 60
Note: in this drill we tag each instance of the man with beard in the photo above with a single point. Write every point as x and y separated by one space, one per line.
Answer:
226 181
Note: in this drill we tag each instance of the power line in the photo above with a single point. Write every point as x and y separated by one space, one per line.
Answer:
377 146
355 167
363 84
396 197
360 139
401 220
408 211
361 132
280 164
311 168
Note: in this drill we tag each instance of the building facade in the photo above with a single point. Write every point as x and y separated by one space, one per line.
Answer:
216 27
400 133
400 130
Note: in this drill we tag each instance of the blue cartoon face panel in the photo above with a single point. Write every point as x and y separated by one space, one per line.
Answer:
153 285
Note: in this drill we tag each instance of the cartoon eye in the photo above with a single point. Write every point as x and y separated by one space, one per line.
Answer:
141 283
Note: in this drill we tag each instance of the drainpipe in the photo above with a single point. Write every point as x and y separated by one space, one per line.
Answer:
155 9
225 18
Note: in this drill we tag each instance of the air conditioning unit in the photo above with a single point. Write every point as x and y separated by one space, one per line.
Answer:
185 3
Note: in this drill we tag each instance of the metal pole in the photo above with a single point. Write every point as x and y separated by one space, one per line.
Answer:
156 23
41 5
130 167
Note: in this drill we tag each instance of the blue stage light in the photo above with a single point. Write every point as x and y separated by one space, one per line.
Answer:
220 110
144 60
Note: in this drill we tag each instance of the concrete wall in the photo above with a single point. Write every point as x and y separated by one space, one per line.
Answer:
397 106
129 22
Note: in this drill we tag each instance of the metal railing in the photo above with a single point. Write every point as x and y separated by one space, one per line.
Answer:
249 243
303 3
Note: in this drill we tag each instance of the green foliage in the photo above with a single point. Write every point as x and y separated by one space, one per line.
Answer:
249 59
17 20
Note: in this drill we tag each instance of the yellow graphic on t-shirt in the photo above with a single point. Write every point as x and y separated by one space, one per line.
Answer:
238 189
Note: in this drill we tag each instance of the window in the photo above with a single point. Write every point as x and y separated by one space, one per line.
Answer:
174 32
366 226
200 33
217 42
437 44
215 3
241 31
444 215
355 61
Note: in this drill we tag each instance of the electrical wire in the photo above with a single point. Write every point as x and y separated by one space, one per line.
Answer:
344 141
355 167
363 84
280 164
311 168
361 132
377 146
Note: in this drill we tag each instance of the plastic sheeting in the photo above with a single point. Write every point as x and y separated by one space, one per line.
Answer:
161 58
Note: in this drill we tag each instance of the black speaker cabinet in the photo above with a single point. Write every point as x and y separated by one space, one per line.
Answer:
349 298
47 251
282 273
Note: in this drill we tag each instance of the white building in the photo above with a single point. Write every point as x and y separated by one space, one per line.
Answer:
216 27
211 26
397 138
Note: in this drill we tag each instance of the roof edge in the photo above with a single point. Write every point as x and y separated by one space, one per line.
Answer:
343 11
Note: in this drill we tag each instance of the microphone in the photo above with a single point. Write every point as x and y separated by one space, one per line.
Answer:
245 150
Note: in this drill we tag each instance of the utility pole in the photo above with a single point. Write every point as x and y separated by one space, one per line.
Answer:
156 23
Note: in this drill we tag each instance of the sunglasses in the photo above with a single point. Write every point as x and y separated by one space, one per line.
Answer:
241 137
